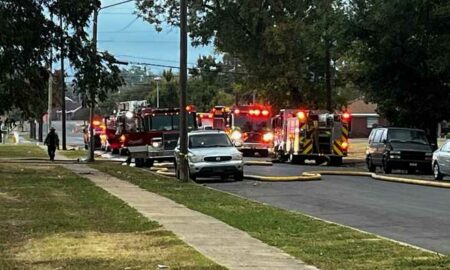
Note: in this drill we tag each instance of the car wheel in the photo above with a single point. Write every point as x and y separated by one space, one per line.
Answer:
437 172
387 167
335 161
149 162
264 153
239 176
139 162
372 168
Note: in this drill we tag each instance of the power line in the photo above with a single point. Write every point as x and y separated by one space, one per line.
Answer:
152 59
136 41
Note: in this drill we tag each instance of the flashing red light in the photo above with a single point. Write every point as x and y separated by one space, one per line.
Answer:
188 108
301 115
96 123
265 112
237 111
257 112
210 115
346 116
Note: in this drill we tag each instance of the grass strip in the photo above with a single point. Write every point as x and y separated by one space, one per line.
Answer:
53 219
21 151
327 246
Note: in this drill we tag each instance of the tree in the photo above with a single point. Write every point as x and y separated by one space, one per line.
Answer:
27 35
404 61
283 45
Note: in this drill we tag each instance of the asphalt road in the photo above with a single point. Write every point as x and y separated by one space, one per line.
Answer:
417 215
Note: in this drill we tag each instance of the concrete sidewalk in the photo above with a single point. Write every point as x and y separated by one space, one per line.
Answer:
216 240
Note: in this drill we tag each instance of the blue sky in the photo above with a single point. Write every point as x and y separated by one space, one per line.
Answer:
131 39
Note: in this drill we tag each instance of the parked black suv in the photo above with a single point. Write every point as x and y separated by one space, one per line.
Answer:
398 148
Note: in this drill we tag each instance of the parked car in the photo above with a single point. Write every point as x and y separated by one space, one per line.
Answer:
441 161
211 153
398 148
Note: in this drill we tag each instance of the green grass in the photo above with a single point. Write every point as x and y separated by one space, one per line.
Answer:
21 150
53 219
324 245
75 154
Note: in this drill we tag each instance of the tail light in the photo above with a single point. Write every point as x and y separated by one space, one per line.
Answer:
344 145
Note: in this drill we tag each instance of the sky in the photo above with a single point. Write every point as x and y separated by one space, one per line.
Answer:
129 38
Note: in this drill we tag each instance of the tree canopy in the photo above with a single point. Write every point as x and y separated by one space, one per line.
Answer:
27 36
403 59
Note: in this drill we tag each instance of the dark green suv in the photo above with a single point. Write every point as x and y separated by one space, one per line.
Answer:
398 148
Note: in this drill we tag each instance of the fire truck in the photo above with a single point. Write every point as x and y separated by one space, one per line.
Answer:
218 118
311 135
119 125
251 128
157 134
205 120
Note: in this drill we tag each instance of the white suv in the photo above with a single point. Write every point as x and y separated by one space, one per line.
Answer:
211 153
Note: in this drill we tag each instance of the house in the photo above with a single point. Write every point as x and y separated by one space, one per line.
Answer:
364 118
74 111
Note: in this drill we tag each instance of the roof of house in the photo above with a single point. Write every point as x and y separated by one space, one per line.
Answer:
359 106
71 106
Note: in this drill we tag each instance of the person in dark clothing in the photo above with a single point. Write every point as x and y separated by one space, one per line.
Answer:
52 142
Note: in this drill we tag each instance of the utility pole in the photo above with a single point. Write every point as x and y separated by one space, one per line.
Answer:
50 88
92 93
157 80
184 170
63 89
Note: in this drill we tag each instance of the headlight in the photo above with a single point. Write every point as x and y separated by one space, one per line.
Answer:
268 137
122 138
237 156
394 156
236 135
195 159
156 144
395 152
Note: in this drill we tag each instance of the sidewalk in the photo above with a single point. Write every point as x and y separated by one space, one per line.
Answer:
216 240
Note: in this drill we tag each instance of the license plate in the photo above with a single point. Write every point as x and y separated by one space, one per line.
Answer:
413 164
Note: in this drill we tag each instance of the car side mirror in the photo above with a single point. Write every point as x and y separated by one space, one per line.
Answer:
384 141
238 144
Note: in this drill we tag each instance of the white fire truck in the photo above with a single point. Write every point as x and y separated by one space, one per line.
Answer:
311 135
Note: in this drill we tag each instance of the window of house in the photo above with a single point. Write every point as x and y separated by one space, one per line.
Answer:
371 121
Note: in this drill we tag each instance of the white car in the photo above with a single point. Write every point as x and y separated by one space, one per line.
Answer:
441 161
211 153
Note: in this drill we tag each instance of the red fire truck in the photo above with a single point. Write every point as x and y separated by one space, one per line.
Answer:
157 134
205 120
251 128
311 135
218 118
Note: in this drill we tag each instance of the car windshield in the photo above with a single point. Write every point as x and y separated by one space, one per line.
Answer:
165 122
407 135
209 140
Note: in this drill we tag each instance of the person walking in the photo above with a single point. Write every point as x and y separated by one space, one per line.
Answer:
86 138
52 142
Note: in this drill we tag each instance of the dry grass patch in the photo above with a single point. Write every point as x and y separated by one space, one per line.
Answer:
141 250
53 219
